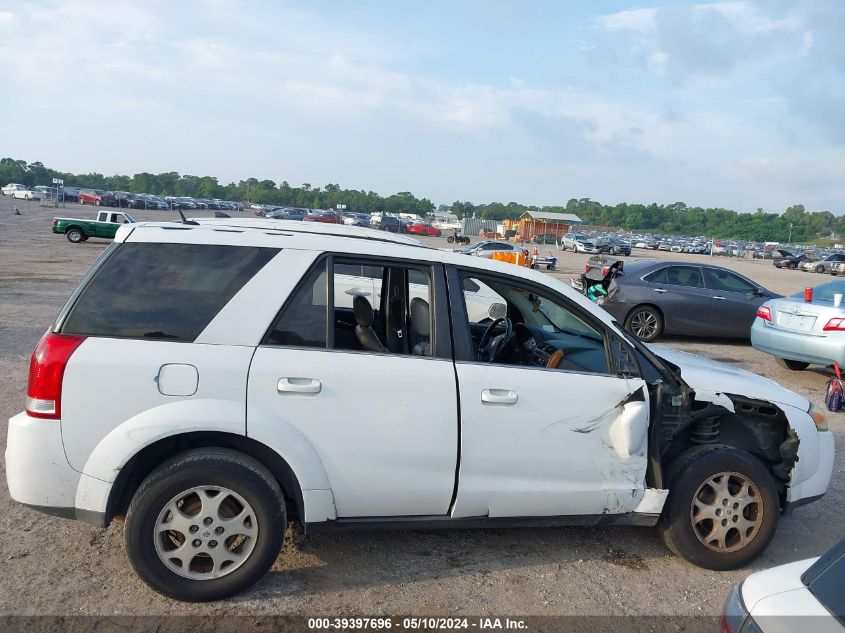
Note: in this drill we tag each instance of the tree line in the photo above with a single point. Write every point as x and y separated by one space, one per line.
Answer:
676 218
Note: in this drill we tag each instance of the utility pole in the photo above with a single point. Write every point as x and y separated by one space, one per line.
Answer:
789 241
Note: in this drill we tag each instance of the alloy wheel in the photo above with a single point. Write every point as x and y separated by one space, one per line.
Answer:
644 325
726 512
205 532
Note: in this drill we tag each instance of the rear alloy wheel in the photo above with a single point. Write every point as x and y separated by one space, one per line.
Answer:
722 509
819 269
645 323
794 365
205 525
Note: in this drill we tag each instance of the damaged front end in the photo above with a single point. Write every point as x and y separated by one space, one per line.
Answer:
786 438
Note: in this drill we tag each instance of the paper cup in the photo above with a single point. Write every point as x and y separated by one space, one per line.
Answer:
837 299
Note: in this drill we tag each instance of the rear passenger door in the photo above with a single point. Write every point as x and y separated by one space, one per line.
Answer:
680 294
384 422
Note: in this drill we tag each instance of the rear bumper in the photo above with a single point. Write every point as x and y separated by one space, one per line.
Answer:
38 473
821 350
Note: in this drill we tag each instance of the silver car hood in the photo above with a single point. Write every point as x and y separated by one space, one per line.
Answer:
703 374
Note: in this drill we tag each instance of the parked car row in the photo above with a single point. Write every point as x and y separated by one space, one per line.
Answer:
388 223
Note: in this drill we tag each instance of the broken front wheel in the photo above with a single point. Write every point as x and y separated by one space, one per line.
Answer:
722 509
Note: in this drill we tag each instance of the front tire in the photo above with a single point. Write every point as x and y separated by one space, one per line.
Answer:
819 269
189 544
722 509
793 365
644 322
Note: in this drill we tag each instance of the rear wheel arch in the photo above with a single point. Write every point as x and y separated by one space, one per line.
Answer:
147 459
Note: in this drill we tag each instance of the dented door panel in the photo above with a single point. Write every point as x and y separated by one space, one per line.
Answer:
568 444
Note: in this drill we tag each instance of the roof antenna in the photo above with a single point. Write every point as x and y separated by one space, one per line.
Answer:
185 220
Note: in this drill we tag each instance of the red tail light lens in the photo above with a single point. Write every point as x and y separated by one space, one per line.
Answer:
605 270
835 325
46 371
586 268
763 312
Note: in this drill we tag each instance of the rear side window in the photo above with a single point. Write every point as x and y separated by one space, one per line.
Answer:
162 291
657 277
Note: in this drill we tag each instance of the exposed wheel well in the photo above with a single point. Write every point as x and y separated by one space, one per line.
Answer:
136 470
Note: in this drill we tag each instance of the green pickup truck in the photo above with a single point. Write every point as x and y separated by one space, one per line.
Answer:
105 225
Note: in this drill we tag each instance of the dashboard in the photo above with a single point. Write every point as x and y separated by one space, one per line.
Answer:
537 347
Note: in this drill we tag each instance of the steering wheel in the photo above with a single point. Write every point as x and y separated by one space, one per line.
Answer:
491 347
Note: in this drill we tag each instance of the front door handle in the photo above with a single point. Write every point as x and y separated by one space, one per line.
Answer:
499 396
719 298
660 290
299 385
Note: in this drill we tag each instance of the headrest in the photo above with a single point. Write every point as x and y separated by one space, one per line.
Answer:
363 311
420 317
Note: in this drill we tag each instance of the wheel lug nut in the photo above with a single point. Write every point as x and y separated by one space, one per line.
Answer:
207 520
218 529
193 528
212 543
197 542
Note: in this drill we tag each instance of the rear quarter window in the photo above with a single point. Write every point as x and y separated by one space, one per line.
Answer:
162 291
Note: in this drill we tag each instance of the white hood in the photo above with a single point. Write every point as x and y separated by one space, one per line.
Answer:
703 374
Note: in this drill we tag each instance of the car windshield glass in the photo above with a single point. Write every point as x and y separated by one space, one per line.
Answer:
824 292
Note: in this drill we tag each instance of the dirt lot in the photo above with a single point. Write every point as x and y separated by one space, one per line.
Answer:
55 566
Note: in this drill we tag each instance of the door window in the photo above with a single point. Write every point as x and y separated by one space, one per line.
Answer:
381 309
657 277
546 332
688 276
725 281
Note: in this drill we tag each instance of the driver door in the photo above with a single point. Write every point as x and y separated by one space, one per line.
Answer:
538 441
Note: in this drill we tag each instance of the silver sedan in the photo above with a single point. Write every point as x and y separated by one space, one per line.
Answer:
800 333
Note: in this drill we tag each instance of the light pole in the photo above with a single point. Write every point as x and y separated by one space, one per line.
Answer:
789 241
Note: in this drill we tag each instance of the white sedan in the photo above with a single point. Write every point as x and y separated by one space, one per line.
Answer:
26 194
11 188
796 597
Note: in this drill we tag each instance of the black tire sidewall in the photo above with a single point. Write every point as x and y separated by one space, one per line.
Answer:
691 474
73 232
167 482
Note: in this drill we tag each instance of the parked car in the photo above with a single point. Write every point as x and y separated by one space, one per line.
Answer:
486 248
824 265
25 194
545 238
791 598
105 226
654 297
206 333
325 217
423 228
97 197
788 259
390 223
798 332
578 242
614 246
356 219
11 188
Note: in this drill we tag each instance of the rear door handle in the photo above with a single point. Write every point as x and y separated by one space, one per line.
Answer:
299 385
719 298
499 396
660 290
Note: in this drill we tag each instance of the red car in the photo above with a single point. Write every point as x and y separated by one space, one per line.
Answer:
329 217
96 197
421 228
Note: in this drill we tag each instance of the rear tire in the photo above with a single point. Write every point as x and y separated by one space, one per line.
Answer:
819 269
793 365
723 507
644 322
184 481
75 235
793 266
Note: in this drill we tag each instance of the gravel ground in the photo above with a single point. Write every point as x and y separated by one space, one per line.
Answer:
60 567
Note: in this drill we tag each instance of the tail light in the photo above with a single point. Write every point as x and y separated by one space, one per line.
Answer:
763 312
46 371
55 221
586 268
835 325
605 271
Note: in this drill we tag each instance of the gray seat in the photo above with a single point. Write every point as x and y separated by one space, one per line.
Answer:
420 326
364 328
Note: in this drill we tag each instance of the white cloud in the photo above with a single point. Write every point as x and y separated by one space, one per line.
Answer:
640 20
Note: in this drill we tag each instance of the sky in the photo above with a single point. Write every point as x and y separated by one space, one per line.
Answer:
735 104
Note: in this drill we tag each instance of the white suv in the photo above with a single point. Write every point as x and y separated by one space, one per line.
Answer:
212 381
